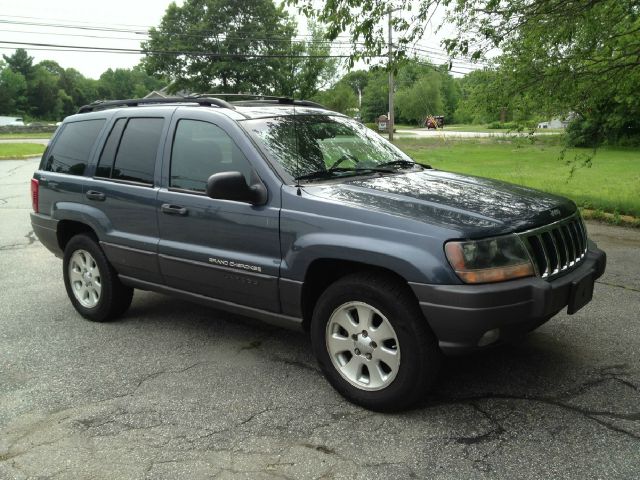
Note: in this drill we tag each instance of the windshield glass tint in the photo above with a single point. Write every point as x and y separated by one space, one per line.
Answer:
321 143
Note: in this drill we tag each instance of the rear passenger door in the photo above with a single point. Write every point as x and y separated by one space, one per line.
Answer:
222 249
123 192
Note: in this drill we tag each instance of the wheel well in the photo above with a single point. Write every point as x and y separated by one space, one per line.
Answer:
67 229
322 273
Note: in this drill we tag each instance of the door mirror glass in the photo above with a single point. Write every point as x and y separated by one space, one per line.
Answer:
233 186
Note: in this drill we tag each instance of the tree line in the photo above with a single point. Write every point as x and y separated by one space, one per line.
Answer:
47 91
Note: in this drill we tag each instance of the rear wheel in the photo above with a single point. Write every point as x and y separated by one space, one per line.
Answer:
373 343
92 284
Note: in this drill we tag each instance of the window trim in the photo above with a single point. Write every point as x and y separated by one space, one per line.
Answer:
125 182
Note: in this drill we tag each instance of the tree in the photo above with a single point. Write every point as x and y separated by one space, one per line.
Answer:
127 83
420 98
20 62
375 97
314 70
42 93
222 45
340 98
13 87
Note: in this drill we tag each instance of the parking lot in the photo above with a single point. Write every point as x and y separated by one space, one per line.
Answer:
176 390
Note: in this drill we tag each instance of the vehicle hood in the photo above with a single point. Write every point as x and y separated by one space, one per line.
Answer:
470 205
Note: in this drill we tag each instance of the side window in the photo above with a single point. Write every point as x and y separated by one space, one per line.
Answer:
108 155
135 159
201 149
70 154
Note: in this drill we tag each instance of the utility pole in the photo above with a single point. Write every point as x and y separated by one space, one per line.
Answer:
390 123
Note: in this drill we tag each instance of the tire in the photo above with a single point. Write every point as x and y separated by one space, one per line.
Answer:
92 283
402 362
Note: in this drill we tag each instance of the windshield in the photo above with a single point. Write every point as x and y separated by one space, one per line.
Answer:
324 146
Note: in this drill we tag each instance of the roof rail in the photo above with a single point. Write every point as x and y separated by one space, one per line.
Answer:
134 102
203 99
253 98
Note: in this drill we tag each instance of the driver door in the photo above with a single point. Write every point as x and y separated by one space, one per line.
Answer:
221 249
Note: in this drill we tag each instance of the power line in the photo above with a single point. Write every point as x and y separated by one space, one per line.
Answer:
175 52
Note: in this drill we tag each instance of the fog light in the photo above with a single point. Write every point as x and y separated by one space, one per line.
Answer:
489 337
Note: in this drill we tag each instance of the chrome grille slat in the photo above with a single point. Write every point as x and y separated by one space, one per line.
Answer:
557 247
567 257
575 231
575 251
547 265
583 235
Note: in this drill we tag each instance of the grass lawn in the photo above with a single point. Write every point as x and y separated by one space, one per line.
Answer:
25 135
611 184
20 150
483 128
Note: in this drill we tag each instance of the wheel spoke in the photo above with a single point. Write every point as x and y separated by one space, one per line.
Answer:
390 357
75 276
345 320
353 368
375 375
383 332
93 296
365 316
337 343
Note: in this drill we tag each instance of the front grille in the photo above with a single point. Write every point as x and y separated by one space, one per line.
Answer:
557 247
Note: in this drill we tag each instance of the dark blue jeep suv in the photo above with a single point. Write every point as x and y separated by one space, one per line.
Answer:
301 217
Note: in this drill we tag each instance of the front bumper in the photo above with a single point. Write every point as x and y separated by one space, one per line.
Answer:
461 315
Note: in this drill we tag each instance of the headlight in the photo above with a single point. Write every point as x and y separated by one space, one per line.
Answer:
489 260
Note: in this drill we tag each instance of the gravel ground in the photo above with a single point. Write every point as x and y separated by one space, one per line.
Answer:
175 390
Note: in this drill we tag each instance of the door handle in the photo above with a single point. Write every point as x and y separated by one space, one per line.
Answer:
173 209
95 195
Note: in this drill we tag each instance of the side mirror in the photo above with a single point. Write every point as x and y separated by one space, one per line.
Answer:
232 186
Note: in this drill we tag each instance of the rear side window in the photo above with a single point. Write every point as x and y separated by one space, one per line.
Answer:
70 153
133 158
105 164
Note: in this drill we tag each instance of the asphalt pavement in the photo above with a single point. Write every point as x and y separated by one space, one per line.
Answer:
175 390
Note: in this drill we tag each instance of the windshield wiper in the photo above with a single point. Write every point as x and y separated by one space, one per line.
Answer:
324 174
399 163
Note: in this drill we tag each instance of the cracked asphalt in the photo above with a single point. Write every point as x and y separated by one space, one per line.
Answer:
176 390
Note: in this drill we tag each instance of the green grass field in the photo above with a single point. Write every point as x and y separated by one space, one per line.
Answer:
25 135
20 150
611 184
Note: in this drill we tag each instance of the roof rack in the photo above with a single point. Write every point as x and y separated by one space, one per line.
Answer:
135 102
202 99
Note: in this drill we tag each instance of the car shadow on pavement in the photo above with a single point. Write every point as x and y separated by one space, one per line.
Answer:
538 365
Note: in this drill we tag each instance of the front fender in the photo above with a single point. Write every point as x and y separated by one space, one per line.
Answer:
409 261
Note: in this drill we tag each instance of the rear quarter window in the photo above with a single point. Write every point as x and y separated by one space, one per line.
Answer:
70 153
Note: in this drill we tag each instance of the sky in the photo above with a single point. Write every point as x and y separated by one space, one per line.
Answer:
23 21
124 14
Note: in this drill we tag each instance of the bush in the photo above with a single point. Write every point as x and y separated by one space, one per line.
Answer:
594 131
505 126
584 133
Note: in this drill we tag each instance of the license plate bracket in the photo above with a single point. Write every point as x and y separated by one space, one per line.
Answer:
581 293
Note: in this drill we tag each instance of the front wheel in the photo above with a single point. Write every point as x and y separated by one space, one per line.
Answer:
373 343
92 284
